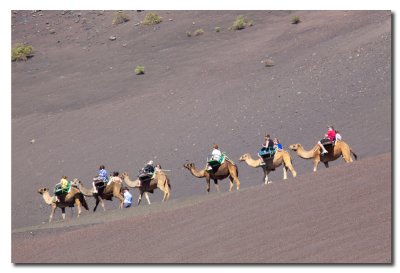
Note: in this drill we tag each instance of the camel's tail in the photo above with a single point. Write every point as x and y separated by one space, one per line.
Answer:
167 182
355 156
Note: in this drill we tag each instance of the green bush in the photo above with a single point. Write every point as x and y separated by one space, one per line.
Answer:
119 18
198 32
152 18
139 70
296 20
21 52
241 22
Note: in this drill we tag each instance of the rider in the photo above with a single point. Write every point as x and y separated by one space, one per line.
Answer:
146 171
267 147
277 145
115 178
102 175
215 155
64 182
330 136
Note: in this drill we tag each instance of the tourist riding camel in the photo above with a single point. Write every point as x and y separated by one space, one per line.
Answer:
267 150
146 173
73 198
214 159
329 138
221 168
340 149
281 157
105 192
101 178
158 180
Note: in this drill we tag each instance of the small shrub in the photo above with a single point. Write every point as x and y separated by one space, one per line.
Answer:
21 52
152 18
119 18
217 29
198 32
296 20
139 70
241 22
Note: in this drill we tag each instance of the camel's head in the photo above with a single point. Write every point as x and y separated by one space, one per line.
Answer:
124 174
244 157
42 190
294 147
188 165
76 181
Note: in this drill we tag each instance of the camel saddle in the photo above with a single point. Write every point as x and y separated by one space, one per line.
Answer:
326 142
100 183
214 164
266 154
58 190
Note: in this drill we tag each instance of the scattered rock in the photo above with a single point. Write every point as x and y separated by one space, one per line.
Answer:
268 62
52 31
32 141
112 38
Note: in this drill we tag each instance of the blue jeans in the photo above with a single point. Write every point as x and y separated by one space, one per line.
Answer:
127 205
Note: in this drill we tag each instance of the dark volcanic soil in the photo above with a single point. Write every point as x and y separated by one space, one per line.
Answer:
80 101
342 218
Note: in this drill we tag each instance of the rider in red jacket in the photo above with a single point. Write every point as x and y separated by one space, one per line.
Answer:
330 136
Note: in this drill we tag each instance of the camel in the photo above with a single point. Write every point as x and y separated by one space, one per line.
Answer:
341 148
110 191
160 181
280 158
73 198
227 169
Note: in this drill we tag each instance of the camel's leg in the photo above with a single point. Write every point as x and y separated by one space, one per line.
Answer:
216 184
78 205
63 213
166 194
53 209
234 174
316 162
208 184
230 183
121 201
266 180
140 197
347 158
96 197
326 164
292 170
147 197
236 179
102 204
284 172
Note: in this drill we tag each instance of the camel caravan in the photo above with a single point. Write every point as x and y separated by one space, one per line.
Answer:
218 167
